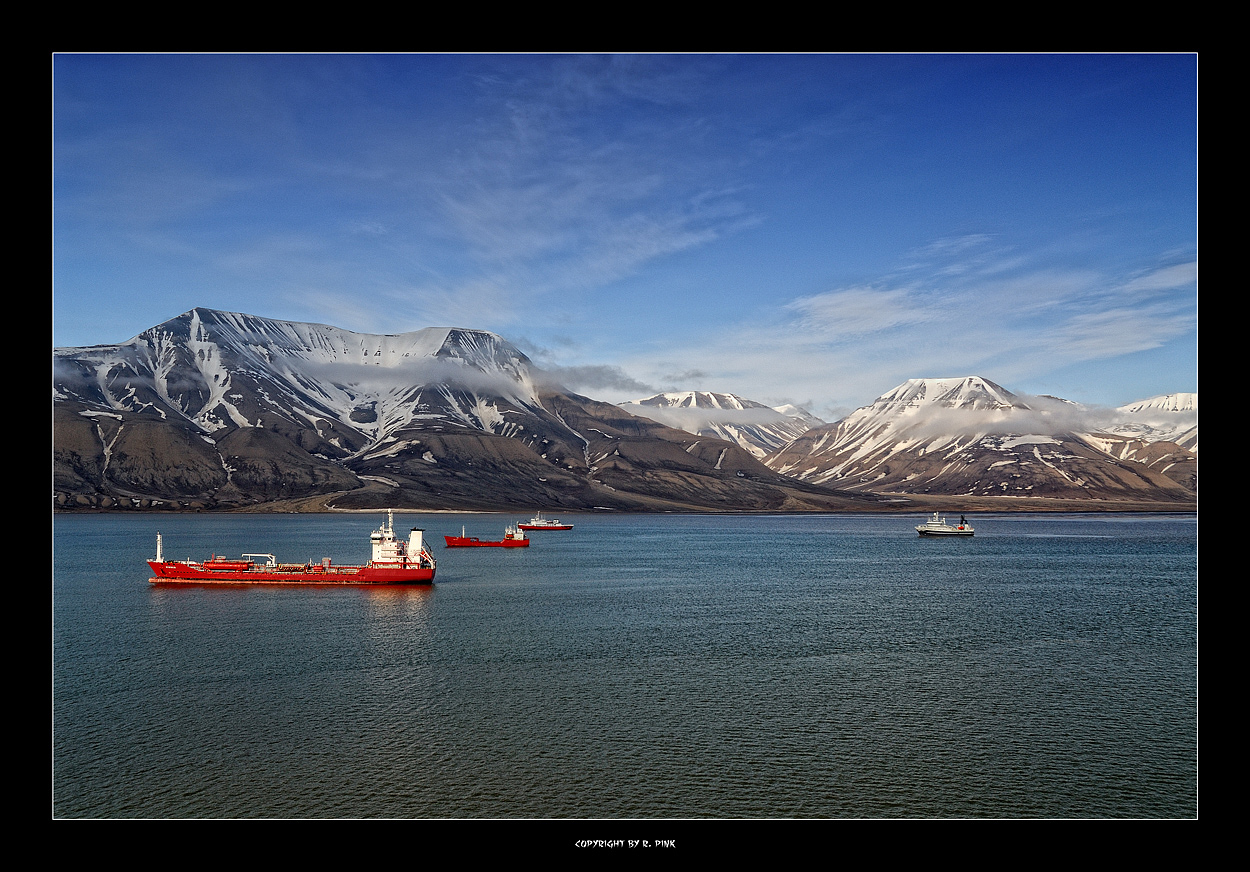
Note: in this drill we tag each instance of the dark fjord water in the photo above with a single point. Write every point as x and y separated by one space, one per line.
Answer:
637 667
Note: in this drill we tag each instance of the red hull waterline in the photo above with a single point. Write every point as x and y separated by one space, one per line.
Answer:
512 538
474 542
179 572
395 562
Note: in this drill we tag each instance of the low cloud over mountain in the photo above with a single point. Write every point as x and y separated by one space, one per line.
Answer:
754 426
971 436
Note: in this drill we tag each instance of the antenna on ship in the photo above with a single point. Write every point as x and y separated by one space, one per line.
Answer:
159 557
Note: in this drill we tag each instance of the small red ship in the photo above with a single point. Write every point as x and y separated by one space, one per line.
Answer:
395 561
538 522
512 538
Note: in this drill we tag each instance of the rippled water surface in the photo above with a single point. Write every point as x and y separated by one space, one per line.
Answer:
636 667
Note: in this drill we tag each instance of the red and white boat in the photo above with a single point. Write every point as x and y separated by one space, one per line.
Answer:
395 561
512 538
538 522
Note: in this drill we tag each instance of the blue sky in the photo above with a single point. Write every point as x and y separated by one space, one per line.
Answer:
812 229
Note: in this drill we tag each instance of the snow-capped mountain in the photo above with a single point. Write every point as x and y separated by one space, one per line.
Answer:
754 426
223 370
1168 418
1160 432
970 436
224 409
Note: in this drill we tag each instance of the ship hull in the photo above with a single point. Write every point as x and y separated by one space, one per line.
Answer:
395 562
179 572
472 542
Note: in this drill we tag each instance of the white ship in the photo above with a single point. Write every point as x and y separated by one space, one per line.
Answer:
937 526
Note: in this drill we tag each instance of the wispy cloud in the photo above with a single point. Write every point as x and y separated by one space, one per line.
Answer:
819 226
1112 332
1006 317
571 183
593 378
1178 277
852 313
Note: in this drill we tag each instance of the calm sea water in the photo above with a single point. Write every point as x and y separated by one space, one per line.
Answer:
638 667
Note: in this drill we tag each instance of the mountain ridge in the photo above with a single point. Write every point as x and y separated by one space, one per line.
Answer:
224 410
758 428
971 436
217 410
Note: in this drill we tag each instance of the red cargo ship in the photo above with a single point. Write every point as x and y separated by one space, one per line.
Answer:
395 561
512 538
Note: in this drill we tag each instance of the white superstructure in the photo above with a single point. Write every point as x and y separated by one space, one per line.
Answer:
388 549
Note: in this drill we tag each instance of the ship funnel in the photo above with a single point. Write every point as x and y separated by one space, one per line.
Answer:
414 544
